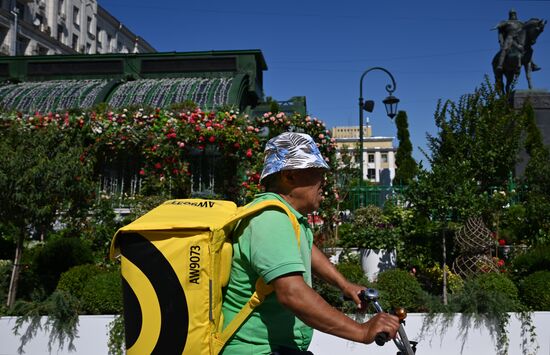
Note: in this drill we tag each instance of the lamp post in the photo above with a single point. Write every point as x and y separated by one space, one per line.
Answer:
390 103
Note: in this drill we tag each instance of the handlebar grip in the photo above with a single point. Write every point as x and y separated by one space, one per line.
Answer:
381 338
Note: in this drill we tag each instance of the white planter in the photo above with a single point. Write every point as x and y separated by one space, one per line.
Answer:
374 261
451 340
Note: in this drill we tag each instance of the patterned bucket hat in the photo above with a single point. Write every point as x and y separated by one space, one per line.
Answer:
290 151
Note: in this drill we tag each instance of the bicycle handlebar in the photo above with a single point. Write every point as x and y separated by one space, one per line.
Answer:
370 295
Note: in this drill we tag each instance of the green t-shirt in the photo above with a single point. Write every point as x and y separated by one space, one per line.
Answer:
266 246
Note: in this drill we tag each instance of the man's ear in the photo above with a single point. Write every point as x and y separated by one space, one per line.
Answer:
288 177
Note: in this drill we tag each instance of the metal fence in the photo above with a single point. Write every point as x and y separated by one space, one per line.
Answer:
375 195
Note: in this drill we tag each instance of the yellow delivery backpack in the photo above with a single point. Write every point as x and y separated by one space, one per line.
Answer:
175 261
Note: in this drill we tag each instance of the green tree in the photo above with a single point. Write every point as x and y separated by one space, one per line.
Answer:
44 175
406 165
473 153
537 180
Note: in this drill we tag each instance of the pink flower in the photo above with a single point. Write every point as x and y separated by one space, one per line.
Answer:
501 242
249 153
158 165
212 139
500 263
142 172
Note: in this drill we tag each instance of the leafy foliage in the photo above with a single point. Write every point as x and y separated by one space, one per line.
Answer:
398 288
535 292
74 280
58 256
103 294
41 174
486 300
473 153
537 179
431 279
371 229
62 321
535 259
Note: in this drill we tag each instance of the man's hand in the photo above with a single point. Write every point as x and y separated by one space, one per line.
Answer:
380 323
351 291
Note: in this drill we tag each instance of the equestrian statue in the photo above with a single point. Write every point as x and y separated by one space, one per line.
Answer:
516 39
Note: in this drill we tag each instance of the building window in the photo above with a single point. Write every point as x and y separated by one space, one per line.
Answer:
371 174
76 17
384 158
21 45
109 41
61 7
60 30
41 50
20 9
371 158
75 42
89 24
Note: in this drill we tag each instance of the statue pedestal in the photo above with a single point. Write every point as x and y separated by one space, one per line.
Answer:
540 100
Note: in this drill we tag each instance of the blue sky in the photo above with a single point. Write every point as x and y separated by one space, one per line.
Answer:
434 49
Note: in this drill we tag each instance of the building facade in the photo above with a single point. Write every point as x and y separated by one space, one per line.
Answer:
46 27
378 152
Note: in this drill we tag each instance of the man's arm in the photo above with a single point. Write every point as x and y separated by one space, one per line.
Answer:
323 268
293 293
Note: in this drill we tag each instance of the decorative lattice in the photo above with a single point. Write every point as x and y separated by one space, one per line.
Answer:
467 265
474 237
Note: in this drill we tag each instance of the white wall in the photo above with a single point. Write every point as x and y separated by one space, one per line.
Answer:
92 339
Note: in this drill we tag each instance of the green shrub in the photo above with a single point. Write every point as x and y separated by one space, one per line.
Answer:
345 233
5 275
398 288
536 291
536 259
431 279
103 294
490 293
58 256
75 279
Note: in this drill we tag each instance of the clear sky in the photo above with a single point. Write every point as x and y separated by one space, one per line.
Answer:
434 49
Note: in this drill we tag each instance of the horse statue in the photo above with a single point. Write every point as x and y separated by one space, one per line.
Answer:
518 56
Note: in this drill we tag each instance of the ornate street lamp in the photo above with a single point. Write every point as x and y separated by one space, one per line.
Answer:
391 109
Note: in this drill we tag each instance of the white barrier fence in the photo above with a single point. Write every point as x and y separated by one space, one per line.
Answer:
93 335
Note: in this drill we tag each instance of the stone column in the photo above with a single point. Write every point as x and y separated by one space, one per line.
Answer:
377 163
391 164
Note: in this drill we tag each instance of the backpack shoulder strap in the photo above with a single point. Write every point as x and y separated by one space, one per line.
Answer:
249 210
262 289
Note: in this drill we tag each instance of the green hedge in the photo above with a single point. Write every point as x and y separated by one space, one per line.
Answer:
75 279
398 288
490 293
536 291
536 259
58 256
103 294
